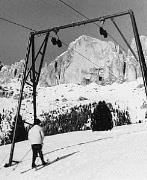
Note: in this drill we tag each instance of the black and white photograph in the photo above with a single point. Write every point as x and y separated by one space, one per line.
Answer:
73 89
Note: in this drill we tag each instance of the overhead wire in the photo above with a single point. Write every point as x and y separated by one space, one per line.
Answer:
66 4
82 55
93 23
85 57
31 29
17 24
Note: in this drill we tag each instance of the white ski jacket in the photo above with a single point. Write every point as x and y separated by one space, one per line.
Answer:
36 135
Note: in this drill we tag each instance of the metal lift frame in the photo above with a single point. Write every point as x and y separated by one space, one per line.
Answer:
35 74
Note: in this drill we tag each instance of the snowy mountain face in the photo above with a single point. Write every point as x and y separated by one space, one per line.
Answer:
91 60
120 152
86 61
133 67
11 73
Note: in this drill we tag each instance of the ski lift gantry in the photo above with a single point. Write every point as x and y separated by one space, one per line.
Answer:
31 73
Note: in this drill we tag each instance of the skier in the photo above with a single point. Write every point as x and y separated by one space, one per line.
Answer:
36 137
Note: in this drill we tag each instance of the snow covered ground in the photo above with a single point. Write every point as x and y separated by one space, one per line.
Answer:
119 154
128 95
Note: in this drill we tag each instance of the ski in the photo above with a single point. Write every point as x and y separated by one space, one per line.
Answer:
40 166
48 163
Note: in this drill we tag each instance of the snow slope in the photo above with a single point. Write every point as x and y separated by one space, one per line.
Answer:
128 95
119 154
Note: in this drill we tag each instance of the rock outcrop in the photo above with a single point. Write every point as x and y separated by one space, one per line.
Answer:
133 70
7 73
86 60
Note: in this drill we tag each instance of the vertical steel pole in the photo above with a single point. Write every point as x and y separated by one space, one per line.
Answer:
43 54
19 104
139 49
33 74
124 38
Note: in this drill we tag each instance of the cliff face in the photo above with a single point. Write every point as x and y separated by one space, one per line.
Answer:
10 74
86 60
133 70
7 73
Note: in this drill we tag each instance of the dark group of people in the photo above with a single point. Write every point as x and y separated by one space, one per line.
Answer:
21 131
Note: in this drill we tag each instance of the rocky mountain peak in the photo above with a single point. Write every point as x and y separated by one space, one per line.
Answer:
86 60
133 70
14 71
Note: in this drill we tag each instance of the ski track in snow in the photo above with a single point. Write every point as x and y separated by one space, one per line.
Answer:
119 154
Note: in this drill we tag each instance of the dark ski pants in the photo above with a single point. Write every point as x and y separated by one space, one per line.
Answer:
37 149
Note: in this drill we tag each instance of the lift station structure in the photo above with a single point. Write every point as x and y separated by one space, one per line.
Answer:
31 74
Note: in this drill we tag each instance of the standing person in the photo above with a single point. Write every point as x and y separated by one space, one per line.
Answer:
20 133
36 137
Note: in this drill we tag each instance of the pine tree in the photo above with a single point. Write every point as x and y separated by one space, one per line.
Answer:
102 118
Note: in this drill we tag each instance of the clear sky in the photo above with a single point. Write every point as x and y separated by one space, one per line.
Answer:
44 14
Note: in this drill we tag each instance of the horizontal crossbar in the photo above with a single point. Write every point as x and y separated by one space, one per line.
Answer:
55 29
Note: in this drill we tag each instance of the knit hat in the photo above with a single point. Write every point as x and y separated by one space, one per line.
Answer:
37 122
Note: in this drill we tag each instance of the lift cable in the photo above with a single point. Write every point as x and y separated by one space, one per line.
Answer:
82 55
56 29
93 23
30 29
17 24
